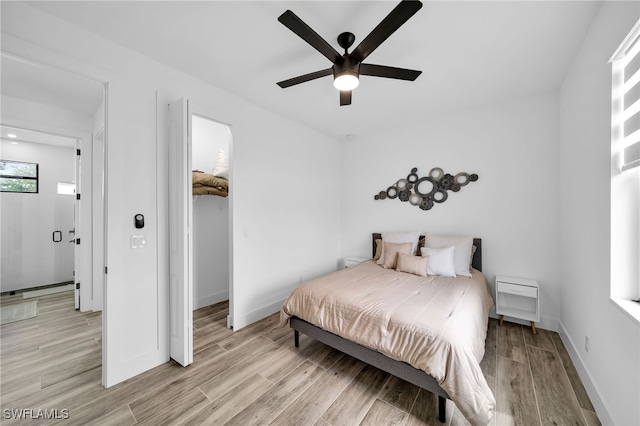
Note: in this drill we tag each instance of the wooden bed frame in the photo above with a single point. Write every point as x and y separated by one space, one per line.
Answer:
399 369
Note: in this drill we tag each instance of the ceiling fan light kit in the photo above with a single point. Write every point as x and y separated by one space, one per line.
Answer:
345 74
346 81
347 68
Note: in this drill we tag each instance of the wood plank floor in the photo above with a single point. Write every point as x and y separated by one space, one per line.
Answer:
256 377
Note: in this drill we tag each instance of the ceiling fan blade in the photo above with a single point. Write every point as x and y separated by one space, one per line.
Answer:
295 24
389 72
345 97
304 78
394 20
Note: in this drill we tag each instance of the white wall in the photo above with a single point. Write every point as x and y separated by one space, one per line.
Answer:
30 258
285 185
32 115
210 218
611 368
513 207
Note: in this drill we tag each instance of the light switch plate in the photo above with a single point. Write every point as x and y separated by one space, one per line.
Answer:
138 241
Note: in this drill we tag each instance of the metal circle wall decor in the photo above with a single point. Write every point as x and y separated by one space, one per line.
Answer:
413 176
416 191
415 199
436 173
440 196
434 186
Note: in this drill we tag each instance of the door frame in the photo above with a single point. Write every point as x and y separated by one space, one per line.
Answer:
48 59
180 227
181 112
85 258
224 119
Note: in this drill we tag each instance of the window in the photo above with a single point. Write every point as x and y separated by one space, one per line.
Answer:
66 188
626 100
625 175
18 176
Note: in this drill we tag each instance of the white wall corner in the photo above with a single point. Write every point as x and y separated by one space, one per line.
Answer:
546 323
241 321
211 299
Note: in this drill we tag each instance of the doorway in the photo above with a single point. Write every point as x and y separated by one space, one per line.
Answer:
189 125
46 100
210 155
43 103
38 212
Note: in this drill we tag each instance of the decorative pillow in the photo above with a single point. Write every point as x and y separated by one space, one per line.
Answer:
400 237
378 249
416 265
390 253
440 261
462 252
221 166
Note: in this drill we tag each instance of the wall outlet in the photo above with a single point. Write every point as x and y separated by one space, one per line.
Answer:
586 343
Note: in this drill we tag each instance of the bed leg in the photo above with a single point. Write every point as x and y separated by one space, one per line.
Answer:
442 408
296 338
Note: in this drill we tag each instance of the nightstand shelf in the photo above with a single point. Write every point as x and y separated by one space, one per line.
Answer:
353 261
518 298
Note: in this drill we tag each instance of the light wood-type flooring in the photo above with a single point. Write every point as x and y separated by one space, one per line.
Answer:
256 377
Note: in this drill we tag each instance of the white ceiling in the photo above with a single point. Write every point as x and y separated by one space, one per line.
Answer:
470 53
17 135
46 85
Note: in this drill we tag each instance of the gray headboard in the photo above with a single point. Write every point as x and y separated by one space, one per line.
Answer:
476 262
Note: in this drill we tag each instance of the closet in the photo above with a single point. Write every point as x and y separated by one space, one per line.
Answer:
210 209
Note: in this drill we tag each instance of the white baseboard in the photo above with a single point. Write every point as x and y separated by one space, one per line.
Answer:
211 299
589 385
240 321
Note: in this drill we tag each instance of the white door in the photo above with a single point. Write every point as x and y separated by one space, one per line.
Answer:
180 244
74 234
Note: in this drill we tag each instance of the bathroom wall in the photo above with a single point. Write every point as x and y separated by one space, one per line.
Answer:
30 258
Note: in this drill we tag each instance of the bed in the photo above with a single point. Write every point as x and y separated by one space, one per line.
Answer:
429 331
208 184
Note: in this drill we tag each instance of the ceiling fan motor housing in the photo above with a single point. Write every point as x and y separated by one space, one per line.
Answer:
346 66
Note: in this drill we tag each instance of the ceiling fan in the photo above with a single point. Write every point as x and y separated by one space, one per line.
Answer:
347 68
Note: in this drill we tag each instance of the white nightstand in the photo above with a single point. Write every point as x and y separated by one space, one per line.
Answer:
353 260
518 298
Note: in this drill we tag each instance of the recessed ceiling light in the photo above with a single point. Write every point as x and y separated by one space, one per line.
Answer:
14 143
12 135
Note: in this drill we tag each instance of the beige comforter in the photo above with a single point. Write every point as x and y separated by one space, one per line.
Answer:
436 324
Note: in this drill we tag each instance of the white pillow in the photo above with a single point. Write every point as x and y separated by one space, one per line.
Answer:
221 166
463 246
400 237
440 261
